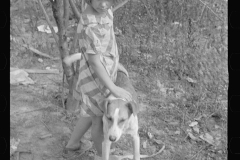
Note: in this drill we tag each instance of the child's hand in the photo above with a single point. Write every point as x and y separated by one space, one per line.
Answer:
122 93
72 58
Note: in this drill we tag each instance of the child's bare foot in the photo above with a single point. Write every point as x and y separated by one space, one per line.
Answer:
79 148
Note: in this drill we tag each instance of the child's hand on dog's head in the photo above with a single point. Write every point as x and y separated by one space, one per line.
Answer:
122 93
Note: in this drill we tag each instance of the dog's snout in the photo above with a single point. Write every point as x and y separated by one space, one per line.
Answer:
112 138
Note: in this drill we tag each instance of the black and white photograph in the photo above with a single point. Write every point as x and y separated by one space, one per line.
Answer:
119 80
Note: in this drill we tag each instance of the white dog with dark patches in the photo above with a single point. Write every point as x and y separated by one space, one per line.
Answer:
120 116
119 119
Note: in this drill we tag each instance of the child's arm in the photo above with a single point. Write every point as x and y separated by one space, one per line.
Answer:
97 66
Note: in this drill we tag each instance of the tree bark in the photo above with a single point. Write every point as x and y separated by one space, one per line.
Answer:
62 22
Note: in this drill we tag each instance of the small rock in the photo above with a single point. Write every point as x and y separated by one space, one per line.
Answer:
48 68
177 132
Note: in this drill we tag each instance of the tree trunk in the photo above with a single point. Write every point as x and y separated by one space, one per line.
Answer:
62 23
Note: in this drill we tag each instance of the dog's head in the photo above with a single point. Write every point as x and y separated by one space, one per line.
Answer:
117 114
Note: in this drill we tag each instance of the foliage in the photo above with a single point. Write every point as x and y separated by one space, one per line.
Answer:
178 49
184 39
25 18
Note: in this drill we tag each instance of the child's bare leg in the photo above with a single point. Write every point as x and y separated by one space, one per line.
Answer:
81 128
97 133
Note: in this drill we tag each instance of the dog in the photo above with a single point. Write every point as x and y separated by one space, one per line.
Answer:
120 117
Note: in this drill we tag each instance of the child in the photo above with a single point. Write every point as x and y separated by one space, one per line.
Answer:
98 70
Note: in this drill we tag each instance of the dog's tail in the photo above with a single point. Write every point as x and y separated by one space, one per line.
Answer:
141 156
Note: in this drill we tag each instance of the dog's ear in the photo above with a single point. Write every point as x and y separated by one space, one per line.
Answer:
104 105
131 108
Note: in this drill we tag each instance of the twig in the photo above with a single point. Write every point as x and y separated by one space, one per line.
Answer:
37 71
200 17
38 52
210 9
119 5
75 10
198 152
147 10
48 21
18 153
30 111
46 136
45 125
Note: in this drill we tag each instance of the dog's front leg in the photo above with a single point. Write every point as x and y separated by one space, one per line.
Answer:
136 146
106 145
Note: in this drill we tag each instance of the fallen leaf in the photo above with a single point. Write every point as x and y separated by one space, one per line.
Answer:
158 141
208 138
192 136
150 136
196 129
46 29
193 124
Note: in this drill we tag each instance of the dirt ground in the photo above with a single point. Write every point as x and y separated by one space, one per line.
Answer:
43 127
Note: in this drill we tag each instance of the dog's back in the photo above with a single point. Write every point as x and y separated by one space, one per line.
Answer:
124 82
